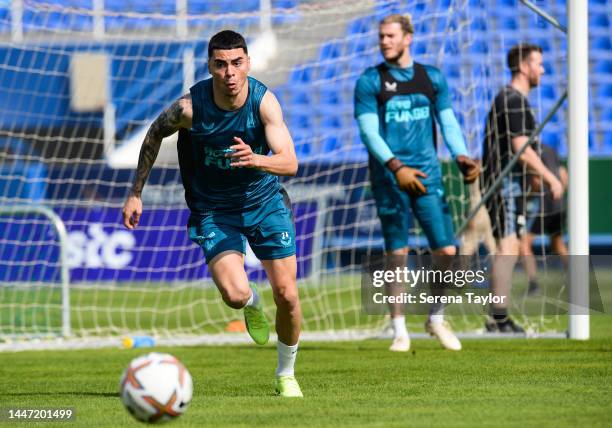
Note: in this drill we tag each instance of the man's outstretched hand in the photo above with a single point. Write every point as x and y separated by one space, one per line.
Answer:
469 168
132 209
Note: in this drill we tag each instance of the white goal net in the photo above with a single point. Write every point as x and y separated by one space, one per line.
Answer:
80 82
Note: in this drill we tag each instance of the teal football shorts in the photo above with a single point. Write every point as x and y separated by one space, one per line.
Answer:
268 228
431 210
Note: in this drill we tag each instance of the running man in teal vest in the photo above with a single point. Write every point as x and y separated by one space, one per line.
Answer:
396 105
227 126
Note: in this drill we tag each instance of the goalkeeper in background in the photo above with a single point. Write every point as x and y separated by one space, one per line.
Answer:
396 106
227 126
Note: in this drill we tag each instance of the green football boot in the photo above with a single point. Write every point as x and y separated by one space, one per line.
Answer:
287 386
256 322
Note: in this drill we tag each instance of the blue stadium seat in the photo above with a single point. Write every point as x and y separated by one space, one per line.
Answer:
423 27
551 139
358 151
601 43
544 44
357 46
199 7
284 4
607 142
301 120
331 121
330 50
303 74
120 20
128 6
237 6
598 20
508 22
330 144
483 95
5 20
451 48
455 94
603 67
441 25
562 18
606 115
299 96
547 91
361 25
478 24
419 48
382 9
479 47
451 70
330 97
419 8
360 62
43 19
301 140
282 95
480 72
329 70
285 12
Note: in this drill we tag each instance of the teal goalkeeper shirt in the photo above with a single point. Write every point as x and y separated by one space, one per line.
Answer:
405 123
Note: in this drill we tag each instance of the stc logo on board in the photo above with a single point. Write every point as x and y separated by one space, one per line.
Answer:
94 248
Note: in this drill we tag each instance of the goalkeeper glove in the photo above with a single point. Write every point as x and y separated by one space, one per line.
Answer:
407 178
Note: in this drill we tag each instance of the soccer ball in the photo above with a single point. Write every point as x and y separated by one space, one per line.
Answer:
156 388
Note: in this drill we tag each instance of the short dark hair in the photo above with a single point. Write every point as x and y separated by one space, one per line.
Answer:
226 39
519 53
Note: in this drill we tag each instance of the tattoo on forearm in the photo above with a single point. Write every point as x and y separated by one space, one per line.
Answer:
166 124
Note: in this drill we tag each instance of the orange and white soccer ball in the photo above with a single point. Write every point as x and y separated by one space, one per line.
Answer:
156 388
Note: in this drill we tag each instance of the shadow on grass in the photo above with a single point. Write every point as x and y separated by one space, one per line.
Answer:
91 394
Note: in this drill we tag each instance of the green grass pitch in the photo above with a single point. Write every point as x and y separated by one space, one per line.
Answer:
514 382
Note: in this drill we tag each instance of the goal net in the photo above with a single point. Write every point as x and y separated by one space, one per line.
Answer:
81 81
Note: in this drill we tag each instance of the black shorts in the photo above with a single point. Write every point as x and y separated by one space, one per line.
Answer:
550 224
507 210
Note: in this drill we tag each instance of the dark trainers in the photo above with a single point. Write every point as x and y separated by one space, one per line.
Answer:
505 325
534 288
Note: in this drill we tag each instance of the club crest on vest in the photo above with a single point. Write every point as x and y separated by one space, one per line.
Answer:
390 86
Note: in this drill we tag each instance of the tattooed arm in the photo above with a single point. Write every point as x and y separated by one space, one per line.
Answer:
178 115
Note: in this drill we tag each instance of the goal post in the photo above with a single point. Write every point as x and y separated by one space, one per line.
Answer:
153 280
578 159
62 236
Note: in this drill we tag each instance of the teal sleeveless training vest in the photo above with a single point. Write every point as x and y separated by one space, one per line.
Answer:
210 183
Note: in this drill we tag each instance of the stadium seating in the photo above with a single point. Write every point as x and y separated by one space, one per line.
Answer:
506 17
342 59
141 15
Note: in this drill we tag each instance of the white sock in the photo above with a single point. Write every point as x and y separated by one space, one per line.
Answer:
254 299
436 318
399 326
286 358
436 313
